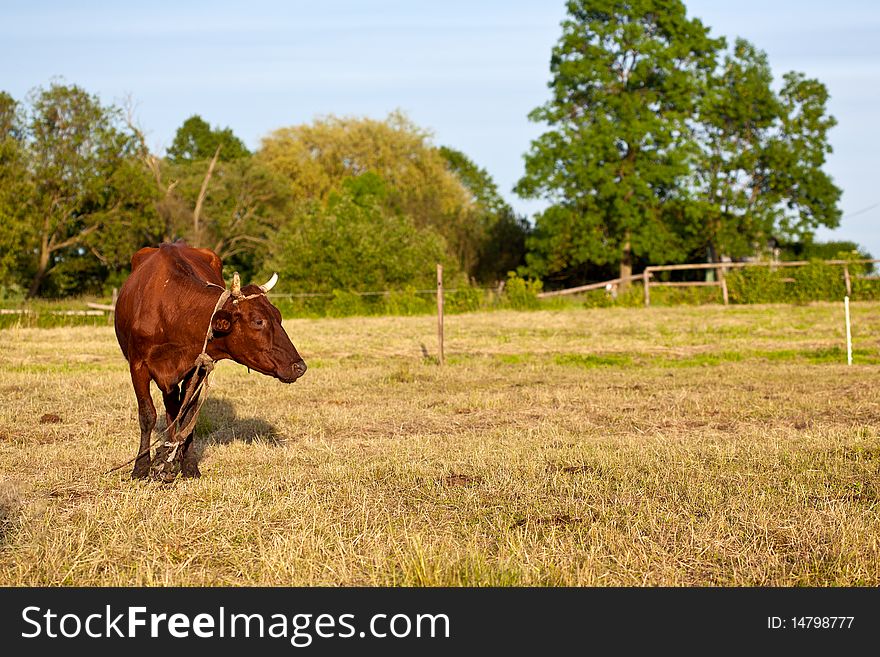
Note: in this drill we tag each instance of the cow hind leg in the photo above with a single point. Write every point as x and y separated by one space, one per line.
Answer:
189 454
140 378
185 458
161 468
190 465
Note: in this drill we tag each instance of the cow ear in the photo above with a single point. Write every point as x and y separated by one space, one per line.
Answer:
222 322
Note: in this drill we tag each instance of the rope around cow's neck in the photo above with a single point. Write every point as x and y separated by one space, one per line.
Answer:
197 392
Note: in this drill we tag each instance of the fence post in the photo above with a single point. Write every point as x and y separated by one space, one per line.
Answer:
440 310
723 280
112 314
646 278
847 280
848 331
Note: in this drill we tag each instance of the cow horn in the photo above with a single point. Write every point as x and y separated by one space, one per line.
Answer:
236 285
268 285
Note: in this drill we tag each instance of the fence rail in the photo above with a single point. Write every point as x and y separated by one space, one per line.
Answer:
587 288
719 267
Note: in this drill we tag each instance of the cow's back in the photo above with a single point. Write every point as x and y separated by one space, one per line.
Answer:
164 297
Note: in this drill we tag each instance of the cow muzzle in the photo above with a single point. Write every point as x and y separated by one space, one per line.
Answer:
296 370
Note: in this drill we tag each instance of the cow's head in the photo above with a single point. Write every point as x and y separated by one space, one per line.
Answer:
248 329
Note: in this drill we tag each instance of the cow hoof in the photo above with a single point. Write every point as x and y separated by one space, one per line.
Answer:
190 473
141 468
162 470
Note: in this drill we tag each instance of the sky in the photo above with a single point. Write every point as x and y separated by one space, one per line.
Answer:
469 71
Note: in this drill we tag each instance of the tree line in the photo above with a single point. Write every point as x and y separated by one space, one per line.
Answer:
341 203
661 143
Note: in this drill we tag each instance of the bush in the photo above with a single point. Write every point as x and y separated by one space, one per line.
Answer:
813 282
684 296
354 242
344 304
633 296
407 302
757 285
521 293
817 281
464 300
866 290
11 292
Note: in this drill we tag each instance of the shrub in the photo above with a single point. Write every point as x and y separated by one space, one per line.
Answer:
682 296
406 302
464 300
344 304
817 281
634 295
757 285
354 242
865 290
521 293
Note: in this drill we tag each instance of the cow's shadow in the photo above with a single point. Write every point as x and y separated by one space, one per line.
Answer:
218 424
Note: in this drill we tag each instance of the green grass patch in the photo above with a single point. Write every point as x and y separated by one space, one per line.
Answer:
820 356
701 360
589 361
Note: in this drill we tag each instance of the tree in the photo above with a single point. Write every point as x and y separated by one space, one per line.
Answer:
735 118
197 140
625 77
758 174
806 197
232 206
315 159
81 179
352 241
14 187
502 234
243 206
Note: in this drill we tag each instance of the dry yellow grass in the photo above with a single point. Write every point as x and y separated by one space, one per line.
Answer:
667 446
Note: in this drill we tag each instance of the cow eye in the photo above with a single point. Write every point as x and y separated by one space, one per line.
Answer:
259 323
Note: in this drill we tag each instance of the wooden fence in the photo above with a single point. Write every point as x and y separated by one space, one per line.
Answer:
720 281
646 277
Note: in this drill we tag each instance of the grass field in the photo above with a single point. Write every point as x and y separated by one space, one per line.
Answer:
663 446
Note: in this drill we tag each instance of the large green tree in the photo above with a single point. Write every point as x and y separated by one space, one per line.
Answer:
14 187
758 171
625 78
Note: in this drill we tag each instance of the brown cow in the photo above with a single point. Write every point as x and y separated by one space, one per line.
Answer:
163 315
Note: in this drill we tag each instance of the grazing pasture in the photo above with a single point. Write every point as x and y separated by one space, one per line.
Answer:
662 446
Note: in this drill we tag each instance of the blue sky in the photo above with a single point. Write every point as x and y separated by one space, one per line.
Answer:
468 71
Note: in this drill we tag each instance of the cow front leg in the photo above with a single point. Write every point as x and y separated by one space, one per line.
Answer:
140 378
